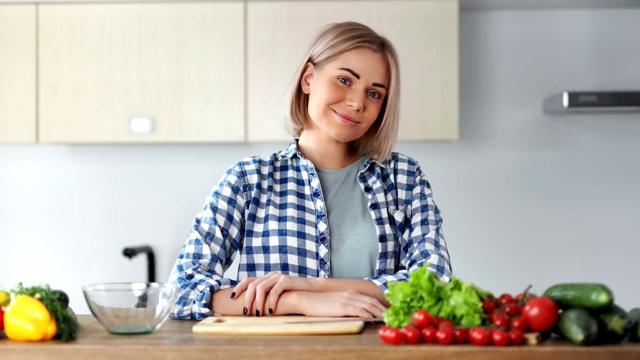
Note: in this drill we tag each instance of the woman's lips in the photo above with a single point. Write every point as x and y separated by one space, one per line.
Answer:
346 118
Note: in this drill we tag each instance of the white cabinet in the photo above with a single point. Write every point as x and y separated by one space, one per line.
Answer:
17 74
425 34
141 72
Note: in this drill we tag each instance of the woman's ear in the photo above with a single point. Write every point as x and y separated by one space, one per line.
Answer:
305 79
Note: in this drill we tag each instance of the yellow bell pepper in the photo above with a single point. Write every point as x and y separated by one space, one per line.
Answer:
27 319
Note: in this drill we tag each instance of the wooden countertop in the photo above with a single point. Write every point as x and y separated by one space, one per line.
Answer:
175 340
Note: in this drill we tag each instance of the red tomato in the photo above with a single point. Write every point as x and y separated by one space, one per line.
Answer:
516 337
512 309
446 324
540 314
488 306
444 336
521 298
499 338
480 336
518 323
421 318
1 319
500 321
390 335
460 335
496 313
505 298
429 334
411 334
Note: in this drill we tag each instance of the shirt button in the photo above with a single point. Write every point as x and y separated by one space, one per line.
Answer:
373 206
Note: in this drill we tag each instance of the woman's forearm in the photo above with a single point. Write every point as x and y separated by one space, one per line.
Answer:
223 304
364 287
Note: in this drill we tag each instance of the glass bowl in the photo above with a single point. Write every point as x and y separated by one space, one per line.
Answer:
130 308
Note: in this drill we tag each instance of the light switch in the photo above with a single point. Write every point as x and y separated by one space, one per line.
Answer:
141 125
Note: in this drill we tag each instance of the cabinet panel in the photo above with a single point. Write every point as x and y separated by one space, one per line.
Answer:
17 73
425 34
180 64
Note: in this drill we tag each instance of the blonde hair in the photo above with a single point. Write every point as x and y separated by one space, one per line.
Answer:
334 40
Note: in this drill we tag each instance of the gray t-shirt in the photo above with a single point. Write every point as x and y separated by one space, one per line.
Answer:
354 243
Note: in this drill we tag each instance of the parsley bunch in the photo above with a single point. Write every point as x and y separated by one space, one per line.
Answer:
454 300
56 303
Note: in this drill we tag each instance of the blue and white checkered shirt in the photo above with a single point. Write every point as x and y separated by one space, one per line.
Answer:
270 210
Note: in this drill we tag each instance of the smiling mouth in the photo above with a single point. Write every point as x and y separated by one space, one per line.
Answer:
349 120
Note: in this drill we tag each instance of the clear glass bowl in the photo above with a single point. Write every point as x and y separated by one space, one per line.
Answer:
130 308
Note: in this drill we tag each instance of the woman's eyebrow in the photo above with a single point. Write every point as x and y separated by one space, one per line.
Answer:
357 76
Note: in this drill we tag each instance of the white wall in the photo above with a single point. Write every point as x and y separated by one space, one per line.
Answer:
526 198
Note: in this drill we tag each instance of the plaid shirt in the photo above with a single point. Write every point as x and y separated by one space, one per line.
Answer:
272 211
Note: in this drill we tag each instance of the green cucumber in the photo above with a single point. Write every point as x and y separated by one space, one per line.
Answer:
577 325
614 324
634 334
582 295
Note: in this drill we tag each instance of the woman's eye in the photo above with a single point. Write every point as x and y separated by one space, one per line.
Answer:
375 95
344 81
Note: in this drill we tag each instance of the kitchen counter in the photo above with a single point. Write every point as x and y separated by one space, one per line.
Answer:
175 340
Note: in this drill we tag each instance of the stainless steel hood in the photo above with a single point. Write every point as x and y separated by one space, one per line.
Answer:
593 101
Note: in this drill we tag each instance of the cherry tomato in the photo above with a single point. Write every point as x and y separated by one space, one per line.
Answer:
500 321
435 321
390 335
411 334
516 337
496 313
446 324
540 314
480 336
499 338
429 335
421 319
512 309
518 323
505 298
460 335
523 299
444 336
488 306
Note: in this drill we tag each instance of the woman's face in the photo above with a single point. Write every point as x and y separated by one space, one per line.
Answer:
346 94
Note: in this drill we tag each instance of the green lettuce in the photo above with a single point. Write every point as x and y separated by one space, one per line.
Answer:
455 300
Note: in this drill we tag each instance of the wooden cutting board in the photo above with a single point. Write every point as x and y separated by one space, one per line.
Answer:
277 325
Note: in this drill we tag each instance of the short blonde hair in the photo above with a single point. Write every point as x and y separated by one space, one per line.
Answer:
334 40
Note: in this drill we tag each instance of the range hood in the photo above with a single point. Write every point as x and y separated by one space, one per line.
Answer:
593 101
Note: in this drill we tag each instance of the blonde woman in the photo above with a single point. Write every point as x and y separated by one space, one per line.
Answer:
324 225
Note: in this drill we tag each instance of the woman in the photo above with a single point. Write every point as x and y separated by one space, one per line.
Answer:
322 226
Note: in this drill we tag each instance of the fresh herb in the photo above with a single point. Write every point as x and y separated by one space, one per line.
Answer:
454 300
56 302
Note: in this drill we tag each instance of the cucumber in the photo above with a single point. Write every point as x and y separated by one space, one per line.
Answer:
634 334
577 325
614 324
582 295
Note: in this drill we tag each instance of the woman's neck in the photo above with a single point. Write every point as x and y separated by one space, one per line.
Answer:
326 153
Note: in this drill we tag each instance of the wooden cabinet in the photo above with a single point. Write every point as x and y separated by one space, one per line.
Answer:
141 72
17 74
425 34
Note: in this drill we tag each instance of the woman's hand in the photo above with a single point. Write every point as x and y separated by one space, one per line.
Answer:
340 303
262 293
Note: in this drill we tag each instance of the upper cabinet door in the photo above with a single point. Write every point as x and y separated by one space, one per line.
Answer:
17 73
145 72
425 34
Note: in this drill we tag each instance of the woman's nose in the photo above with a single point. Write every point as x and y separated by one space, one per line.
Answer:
355 100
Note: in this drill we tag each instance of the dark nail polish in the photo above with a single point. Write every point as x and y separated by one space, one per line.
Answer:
257 312
233 294
270 311
245 311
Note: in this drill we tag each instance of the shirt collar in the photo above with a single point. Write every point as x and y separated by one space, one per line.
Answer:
292 150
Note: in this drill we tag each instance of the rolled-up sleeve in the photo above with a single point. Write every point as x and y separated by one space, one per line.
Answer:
210 248
422 241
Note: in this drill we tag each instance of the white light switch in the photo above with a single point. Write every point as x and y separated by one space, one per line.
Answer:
141 125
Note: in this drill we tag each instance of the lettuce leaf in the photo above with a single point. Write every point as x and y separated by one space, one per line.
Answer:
456 300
